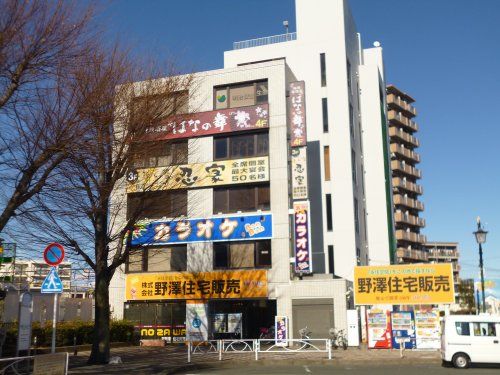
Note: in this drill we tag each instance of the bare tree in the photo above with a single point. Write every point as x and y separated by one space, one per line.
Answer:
39 42
85 203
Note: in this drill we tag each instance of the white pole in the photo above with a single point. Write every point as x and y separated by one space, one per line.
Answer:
54 321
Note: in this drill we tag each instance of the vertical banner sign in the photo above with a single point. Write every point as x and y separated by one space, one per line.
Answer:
196 321
299 173
297 114
25 316
281 330
302 245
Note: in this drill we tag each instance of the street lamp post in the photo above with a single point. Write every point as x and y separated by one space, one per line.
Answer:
481 238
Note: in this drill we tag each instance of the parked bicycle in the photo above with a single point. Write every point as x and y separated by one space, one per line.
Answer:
305 336
267 333
338 337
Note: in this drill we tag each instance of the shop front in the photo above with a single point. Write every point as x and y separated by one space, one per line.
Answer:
179 306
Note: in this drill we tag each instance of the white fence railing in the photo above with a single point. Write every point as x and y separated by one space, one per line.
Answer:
264 41
260 346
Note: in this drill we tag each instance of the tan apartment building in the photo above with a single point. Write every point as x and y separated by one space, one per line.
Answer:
405 176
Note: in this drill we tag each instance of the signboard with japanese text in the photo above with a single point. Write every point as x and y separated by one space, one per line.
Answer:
225 228
196 286
408 284
214 173
211 122
299 173
281 330
297 119
302 244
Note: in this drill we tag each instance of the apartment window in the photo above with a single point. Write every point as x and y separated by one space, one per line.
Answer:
241 95
157 259
242 198
329 217
326 157
150 109
247 254
322 62
241 146
157 204
353 167
324 104
351 120
331 264
356 215
349 77
159 154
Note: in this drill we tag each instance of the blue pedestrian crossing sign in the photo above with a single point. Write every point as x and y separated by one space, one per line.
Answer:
52 283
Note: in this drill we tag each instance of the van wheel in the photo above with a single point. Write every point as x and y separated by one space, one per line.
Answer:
461 360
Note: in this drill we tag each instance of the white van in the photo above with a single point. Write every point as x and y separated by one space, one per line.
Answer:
470 339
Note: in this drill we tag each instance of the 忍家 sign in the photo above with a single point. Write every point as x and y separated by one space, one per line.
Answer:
299 173
408 284
214 173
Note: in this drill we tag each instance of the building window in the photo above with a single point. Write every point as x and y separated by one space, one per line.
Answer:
157 204
241 95
356 215
241 146
157 259
353 167
241 198
349 77
326 157
331 260
324 104
329 214
247 254
351 120
159 154
322 62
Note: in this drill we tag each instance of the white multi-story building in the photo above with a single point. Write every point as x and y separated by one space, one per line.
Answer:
266 232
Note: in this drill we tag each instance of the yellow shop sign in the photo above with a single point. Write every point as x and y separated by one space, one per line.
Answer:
409 284
194 286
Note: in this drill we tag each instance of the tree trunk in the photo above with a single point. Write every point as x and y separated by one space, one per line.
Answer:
100 345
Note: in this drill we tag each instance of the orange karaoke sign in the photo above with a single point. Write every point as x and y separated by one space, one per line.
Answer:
408 284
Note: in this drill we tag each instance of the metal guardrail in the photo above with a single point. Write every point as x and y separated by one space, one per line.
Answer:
12 365
265 41
258 346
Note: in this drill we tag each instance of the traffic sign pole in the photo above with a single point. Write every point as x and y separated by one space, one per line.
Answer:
54 321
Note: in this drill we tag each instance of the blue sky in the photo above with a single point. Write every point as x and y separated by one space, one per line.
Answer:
444 53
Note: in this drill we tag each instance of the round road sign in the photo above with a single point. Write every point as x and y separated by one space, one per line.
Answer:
53 254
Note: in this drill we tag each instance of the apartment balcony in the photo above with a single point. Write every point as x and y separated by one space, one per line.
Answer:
412 254
403 136
401 105
409 219
406 169
402 235
407 186
405 153
415 204
395 118
444 254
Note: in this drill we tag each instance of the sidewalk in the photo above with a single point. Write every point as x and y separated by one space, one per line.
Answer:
173 360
